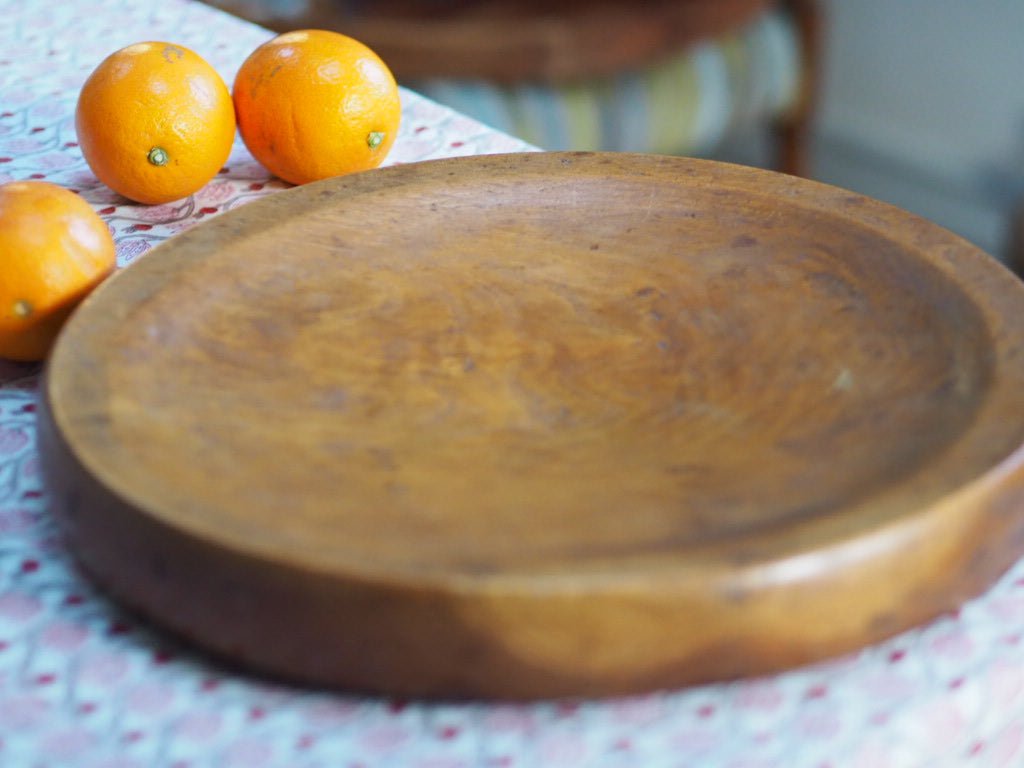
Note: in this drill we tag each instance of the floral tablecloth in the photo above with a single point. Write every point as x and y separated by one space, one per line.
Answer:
84 684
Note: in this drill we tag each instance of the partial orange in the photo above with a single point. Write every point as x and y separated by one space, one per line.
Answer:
313 104
155 122
54 249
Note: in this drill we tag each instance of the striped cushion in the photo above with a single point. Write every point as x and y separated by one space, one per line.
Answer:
684 105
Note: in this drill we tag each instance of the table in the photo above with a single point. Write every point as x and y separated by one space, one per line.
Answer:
82 683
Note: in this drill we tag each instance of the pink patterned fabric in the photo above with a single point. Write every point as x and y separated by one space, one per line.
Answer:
85 685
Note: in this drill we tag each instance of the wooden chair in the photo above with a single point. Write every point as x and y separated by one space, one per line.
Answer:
456 50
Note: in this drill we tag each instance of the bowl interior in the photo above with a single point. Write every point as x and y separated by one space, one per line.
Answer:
511 374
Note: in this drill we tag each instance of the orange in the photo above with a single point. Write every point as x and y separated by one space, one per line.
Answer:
54 249
155 122
313 104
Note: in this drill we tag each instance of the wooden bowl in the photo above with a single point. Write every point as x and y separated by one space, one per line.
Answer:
544 424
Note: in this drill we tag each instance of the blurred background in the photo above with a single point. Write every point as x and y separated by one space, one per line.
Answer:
916 102
922 105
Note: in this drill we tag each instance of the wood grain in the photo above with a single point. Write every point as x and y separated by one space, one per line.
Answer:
544 424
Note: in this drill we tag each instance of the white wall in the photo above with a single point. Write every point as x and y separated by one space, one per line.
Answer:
923 106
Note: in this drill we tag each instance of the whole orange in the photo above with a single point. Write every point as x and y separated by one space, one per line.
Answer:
54 249
313 104
155 122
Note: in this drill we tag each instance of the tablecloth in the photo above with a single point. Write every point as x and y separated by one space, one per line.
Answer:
83 683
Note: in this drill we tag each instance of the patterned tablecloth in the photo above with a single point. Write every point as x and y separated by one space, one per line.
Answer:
84 684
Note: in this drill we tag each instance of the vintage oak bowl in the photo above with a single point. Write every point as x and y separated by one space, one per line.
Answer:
544 424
